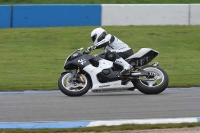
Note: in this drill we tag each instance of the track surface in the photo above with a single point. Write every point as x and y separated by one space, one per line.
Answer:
55 106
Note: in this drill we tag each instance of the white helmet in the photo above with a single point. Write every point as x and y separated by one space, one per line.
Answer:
98 34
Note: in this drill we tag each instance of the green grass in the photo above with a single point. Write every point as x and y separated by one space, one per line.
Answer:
104 128
98 1
33 58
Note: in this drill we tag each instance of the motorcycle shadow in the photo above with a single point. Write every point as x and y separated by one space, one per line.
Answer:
125 93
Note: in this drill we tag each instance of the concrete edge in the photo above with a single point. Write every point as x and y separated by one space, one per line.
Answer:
144 121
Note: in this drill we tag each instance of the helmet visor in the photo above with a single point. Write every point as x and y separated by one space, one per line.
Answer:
94 37
102 36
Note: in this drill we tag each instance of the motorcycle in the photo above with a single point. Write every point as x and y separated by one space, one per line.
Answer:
86 72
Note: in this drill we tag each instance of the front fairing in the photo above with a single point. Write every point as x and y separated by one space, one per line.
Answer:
73 55
80 61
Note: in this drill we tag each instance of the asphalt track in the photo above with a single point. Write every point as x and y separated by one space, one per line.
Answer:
31 106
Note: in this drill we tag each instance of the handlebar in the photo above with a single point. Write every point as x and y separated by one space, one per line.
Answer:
91 48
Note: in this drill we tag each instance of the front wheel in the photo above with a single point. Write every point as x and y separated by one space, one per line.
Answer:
74 87
155 84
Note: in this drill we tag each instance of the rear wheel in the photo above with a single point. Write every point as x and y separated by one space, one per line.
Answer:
154 84
74 87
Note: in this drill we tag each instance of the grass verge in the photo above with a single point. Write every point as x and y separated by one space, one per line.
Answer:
33 58
104 128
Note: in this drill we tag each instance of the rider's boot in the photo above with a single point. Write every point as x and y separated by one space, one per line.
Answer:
127 67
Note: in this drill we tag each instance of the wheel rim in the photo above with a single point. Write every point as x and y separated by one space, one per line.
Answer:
70 86
153 82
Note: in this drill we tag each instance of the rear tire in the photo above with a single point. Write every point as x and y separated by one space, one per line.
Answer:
64 85
152 87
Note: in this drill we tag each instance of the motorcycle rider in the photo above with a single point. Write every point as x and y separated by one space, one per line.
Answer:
114 49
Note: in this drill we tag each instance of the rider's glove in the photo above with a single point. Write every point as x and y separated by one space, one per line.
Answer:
89 49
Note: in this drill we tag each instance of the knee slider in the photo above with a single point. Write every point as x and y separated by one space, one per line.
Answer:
111 56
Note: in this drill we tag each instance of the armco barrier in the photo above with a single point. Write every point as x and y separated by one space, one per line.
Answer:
5 16
145 14
50 15
56 15
194 14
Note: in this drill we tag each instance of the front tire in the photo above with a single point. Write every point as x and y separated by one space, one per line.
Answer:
66 86
152 86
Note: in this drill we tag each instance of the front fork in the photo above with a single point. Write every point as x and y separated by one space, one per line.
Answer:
79 76
76 76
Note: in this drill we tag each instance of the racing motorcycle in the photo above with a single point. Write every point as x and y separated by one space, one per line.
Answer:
84 72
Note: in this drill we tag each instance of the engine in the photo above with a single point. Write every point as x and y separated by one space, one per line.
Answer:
108 75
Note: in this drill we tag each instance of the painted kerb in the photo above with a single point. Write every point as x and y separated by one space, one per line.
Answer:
5 16
145 14
39 125
80 124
